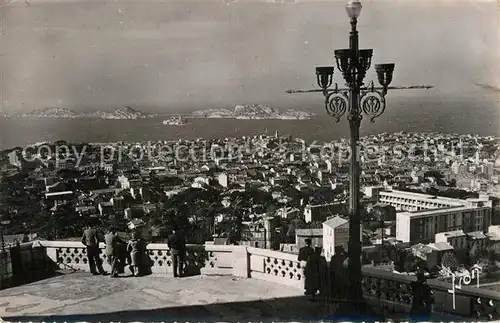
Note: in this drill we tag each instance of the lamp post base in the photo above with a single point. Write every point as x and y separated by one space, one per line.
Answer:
354 311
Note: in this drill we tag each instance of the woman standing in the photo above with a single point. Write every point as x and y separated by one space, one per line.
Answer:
136 248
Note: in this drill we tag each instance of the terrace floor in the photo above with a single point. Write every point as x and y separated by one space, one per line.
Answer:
82 297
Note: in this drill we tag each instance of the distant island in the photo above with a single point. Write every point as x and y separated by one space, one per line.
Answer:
253 111
175 121
241 111
62 113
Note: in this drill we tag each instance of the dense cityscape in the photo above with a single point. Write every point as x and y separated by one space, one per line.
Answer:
268 192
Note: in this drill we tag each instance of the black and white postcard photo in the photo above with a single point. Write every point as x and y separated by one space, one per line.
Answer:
249 161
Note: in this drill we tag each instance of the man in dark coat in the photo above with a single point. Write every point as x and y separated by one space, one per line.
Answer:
304 254
90 239
177 245
421 306
324 279
305 251
338 277
314 273
123 258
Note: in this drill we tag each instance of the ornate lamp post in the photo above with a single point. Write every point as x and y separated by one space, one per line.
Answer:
357 100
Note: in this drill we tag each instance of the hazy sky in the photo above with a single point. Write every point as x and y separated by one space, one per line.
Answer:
206 54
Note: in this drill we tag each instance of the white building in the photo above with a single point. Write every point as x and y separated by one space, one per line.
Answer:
463 241
335 233
494 237
223 179
200 182
457 239
373 191
14 158
59 197
123 181
288 212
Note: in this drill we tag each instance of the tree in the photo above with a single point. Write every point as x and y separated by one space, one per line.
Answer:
295 224
449 261
271 208
315 225
410 263
476 254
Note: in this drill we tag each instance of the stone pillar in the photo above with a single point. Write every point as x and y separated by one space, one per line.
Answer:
269 232
241 262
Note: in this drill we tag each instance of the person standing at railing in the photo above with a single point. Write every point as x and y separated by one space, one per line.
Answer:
123 258
90 239
324 285
422 300
304 254
177 245
136 248
313 273
112 244
338 278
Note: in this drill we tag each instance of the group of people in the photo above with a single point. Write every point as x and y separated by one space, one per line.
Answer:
332 280
132 253
319 277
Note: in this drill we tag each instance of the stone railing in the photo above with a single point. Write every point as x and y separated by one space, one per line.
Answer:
386 290
392 292
199 259
275 266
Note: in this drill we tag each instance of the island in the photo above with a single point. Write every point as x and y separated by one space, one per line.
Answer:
63 113
175 121
253 111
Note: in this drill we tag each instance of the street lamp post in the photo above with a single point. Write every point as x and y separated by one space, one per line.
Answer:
357 100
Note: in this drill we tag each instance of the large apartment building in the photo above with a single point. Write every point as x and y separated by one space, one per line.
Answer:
422 226
408 201
422 216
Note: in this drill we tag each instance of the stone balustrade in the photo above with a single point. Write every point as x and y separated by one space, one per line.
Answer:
385 290
200 259
392 292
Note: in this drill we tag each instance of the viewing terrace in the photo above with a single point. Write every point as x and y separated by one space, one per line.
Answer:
228 283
